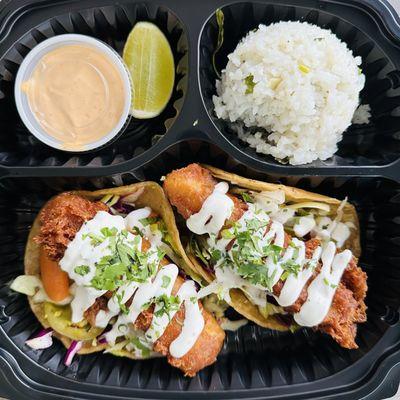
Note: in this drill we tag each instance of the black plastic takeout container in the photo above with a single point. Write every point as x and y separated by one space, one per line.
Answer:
255 363
368 27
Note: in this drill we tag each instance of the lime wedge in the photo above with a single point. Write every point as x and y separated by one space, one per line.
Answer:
149 59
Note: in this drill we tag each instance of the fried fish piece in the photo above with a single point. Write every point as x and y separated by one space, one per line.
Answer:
61 219
189 187
205 350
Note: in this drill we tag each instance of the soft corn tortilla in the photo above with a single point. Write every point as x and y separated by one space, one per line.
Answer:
239 300
149 194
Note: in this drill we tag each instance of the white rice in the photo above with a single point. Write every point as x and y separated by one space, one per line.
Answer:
306 90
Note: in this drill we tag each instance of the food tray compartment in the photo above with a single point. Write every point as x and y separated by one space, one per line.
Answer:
111 24
371 149
377 143
254 362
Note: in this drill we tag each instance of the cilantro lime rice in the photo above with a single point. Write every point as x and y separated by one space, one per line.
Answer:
297 82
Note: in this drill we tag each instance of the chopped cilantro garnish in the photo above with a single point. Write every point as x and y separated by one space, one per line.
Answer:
95 239
249 81
256 224
122 306
291 267
256 273
227 234
109 232
216 255
148 221
82 270
125 261
166 280
284 276
331 285
167 304
247 197
202 255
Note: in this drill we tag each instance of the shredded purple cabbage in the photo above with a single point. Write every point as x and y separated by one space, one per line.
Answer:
42 340
123 208
101 340
72 350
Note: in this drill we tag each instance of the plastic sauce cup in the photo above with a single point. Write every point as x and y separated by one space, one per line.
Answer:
28 66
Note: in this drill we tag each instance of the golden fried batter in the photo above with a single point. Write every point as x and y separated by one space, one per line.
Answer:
188 188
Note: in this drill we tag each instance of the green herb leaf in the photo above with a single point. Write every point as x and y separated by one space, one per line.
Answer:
82 270
167 304
219 16
95 239
109 232
249 81
227 234
291 267
166 280
148 221
122 306
247 197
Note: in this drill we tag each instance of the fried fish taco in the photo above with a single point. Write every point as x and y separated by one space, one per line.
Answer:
280 256
101 273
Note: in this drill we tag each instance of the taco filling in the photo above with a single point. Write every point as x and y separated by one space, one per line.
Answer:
104 282
282 257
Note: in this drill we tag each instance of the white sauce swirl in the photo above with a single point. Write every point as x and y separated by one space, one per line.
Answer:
215 211
323 287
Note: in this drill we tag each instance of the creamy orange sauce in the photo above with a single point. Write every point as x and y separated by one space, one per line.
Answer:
77 95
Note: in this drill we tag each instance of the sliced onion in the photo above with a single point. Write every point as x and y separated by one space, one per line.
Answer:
310 204
132 198
277 196
73 349
43 340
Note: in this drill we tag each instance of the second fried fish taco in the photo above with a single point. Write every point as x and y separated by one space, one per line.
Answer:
101 274
281 256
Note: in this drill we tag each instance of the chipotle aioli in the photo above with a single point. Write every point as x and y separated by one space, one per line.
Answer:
77 95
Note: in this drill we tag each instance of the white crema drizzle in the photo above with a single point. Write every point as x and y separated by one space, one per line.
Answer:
215 211
321 290
81 251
